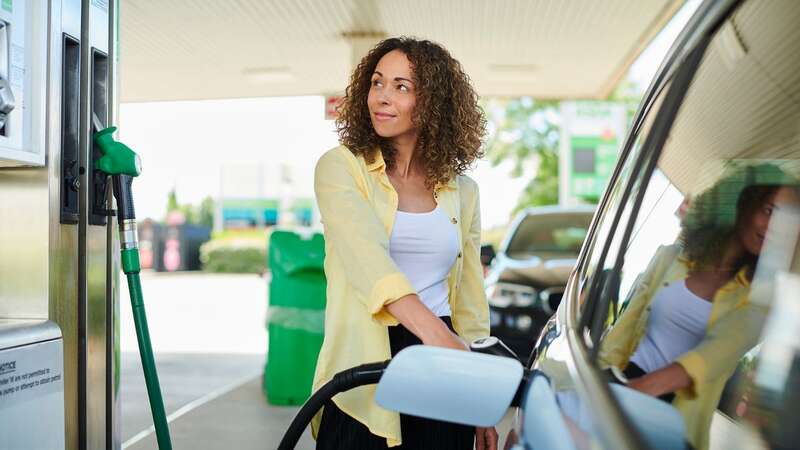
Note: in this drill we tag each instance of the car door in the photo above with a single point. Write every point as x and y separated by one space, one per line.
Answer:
722 112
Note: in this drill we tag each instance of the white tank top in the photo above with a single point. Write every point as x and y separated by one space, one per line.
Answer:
677 323
424 246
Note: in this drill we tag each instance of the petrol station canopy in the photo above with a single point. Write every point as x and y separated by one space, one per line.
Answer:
211 49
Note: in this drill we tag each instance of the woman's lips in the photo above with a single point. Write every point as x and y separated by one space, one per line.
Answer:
383 116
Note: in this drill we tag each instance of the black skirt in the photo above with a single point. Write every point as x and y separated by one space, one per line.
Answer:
338 431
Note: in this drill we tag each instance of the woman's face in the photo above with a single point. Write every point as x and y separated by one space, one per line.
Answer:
392 97
753 230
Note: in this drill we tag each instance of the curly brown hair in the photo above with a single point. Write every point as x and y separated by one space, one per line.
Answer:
717 213
450 123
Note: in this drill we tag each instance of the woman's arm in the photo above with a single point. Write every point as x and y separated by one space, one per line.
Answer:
418 319
359 236
662 381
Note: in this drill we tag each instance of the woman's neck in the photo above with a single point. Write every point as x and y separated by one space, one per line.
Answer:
405 160
732 256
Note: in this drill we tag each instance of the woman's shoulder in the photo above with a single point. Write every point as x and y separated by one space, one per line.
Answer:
340 157
339 153
467 189
466 183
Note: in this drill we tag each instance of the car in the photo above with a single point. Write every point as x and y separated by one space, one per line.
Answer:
711 166
726 100
527 276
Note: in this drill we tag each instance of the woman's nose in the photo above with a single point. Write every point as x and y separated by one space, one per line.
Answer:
384 97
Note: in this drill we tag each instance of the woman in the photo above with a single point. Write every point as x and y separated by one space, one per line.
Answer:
690 318
402 230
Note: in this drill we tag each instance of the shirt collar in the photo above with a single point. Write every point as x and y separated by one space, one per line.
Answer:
449 185
740 279
377 161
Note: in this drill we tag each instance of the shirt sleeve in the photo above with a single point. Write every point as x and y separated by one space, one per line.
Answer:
353 228
472 318
725 342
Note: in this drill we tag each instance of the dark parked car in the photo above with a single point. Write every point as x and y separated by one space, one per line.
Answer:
527 276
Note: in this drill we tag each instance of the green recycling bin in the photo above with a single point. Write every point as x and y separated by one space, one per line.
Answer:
295 317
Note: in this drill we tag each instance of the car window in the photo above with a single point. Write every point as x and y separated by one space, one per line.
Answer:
596 262
712 253
554 234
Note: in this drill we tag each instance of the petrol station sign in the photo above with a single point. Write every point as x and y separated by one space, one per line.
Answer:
591 134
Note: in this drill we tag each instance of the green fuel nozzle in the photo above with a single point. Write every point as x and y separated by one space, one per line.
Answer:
118 158
123 164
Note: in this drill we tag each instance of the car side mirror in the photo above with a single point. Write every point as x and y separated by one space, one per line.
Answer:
487 254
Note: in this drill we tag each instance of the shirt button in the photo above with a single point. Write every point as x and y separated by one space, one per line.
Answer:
454 220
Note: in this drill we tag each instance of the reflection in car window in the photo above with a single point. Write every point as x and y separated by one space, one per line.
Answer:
593 264
717 229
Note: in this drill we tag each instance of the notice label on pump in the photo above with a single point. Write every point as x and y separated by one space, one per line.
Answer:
30 372
32 395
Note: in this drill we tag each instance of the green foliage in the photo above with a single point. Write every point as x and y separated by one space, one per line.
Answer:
198 215
526 132
234 256
205 213
172 201
236 251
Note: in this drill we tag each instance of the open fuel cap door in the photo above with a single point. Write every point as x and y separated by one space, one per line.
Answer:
450 385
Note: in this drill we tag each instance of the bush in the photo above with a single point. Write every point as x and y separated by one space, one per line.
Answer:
231 254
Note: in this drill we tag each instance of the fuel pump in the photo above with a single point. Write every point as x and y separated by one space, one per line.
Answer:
122 164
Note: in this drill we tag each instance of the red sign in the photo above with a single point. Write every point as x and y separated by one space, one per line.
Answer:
331 103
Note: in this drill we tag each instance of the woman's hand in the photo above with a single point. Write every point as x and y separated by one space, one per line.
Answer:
662 381
485 438
447 340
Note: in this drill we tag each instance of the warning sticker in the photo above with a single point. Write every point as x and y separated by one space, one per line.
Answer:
30 372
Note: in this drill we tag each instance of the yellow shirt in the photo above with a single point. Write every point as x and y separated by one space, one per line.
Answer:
357 204
733 329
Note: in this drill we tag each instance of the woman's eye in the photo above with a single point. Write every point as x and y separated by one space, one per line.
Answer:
376 82
403 88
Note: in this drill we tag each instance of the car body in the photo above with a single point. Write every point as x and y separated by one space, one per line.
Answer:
528 274
724 99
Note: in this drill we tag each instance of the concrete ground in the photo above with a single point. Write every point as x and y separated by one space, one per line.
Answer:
209 338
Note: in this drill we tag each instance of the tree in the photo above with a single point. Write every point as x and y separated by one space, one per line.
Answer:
199 215
205 215
526 132
172 201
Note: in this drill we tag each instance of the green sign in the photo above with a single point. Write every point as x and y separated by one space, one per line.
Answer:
593 161
8 5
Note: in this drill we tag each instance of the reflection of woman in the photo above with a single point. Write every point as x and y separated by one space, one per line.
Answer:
690 319
402 229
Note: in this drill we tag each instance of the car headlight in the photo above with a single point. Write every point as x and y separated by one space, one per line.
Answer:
503 295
